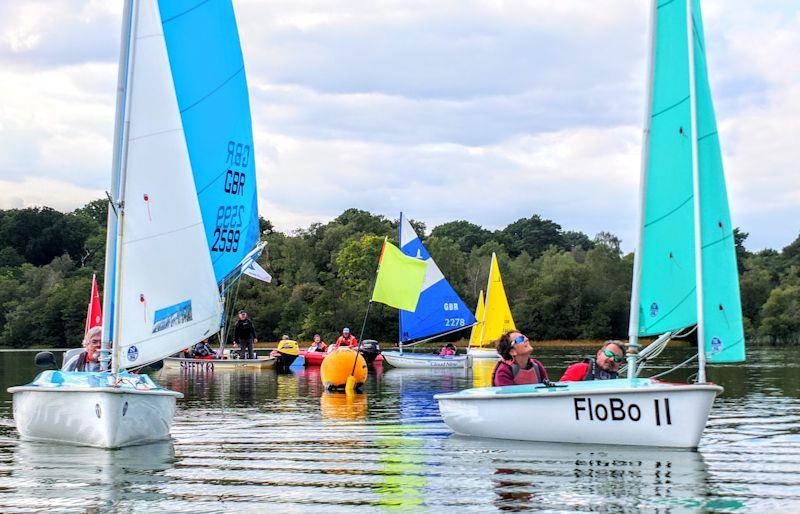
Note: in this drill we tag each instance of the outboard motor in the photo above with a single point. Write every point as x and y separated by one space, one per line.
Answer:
45 360
286 353
370 349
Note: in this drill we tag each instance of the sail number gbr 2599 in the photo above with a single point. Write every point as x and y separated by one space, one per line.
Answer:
229 217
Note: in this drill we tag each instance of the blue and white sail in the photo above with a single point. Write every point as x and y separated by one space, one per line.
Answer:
439 309
187 186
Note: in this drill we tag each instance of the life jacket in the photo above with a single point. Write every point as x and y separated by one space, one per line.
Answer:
349 341
446 350
81 364
318 347
521 376
595 372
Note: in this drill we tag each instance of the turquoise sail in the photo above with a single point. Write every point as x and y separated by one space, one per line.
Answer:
668 295
722 310
207 67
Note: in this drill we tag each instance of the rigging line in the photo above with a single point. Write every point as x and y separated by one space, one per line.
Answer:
682 364
438 335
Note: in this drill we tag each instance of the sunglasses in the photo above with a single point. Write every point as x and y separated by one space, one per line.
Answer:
610 354
520 339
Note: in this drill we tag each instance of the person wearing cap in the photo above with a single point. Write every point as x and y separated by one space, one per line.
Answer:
318 345
346 339
604 366
244 335
516 367
89 358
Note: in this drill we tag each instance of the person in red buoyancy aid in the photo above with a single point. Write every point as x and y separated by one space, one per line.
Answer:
605 366
516 367
346 339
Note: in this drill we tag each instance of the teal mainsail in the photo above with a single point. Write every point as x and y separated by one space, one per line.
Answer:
667 260
207 67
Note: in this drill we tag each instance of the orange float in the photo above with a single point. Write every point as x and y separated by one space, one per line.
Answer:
338 365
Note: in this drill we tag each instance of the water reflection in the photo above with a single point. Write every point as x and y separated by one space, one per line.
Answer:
249 441
86 478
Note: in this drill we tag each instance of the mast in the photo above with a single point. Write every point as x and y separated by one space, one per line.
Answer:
636 289
486 298
399 317
698 237
113 222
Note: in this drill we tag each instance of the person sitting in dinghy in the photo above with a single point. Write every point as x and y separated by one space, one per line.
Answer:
88 359
605 366
448 349
516 367
346 339
318 345
202 350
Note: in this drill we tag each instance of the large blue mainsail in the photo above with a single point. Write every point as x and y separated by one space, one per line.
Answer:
439 309
207 67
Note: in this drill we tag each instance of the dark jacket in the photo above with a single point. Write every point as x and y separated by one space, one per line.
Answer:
244 330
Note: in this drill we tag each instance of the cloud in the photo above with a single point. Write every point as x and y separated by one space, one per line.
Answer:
481 110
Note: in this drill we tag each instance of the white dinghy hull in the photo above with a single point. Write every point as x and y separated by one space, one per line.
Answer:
483 353
93 415
219 364
419 360
639 412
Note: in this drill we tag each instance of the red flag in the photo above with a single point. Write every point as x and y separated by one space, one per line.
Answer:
94 313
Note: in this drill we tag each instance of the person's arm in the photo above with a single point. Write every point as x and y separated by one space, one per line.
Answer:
503 376
575 373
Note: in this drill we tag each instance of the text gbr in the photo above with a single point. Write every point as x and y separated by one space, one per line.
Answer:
229 217
615 409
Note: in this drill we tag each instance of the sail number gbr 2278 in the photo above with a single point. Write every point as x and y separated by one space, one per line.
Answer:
230 217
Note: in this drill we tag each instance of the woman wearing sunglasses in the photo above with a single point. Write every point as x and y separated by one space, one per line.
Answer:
515 366
604 366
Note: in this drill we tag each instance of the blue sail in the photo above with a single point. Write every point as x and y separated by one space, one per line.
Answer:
439 309
207 67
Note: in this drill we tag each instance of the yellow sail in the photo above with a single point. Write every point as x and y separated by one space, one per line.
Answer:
475 335
497 313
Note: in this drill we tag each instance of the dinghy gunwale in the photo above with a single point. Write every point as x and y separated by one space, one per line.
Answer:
592 387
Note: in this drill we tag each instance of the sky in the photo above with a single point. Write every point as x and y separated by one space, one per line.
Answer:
488 111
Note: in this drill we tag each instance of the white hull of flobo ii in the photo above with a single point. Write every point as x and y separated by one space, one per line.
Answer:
640 412
483 353
104 417
420 360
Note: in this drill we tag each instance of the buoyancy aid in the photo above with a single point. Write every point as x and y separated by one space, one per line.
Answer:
521 376
595 372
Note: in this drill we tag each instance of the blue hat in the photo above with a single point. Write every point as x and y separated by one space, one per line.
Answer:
345 330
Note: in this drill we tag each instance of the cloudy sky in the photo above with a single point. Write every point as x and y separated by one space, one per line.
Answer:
455 109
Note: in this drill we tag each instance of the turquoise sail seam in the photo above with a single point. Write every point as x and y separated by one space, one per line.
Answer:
215 178
665 3
707 135
667 315
184 12
669 213
721 239
662 111
240 70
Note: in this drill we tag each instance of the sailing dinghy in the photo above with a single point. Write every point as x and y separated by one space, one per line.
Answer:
439 311
685 276
494 316
182 219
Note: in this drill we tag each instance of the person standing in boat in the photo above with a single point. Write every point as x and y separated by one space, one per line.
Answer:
516 367
346 339
318 345
89 358
605 366
244 335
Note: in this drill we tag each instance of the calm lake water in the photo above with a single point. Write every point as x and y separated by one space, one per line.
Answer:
259 442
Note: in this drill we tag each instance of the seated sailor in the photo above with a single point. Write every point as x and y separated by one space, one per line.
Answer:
448 349
604 366
89 358
202 350
318 345
516 367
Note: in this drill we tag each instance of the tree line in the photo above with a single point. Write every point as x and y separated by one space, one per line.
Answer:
560 284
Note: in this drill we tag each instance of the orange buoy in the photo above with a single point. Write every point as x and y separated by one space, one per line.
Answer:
338 365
